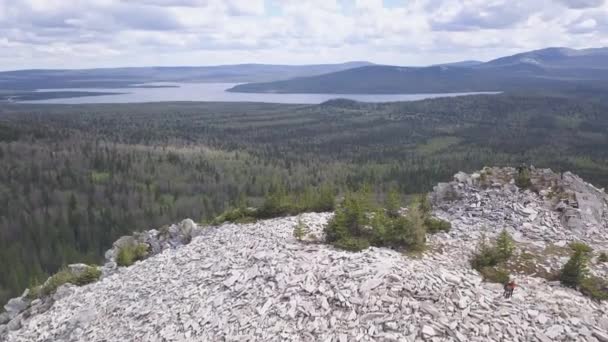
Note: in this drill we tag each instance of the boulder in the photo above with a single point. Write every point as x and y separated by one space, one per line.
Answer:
462 177
4 318
16 305
428 331
63 291
78 269
14 324
443 192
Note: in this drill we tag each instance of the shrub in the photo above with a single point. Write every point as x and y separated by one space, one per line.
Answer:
131 253
595 288
300 230
64 276
409 231
581 247
351 218
602 258
575 273
319 200
494 274
352 244
485 255
238 215
276 204
435 225
91 274
522 179
279 203
488 257
358 223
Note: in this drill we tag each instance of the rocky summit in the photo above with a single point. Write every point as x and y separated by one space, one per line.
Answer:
256 282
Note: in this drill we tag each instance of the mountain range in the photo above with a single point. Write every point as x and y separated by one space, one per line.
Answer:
551 68
129 77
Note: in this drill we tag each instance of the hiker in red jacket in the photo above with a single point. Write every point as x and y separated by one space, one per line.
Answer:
509 287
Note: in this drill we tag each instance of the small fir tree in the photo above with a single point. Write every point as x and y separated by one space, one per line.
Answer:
504 245
300 230
522 180
392 203
576 270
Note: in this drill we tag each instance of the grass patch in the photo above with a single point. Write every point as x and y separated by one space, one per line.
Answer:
494 274
131 253
279 203
64 276
594 287
237 215
434 225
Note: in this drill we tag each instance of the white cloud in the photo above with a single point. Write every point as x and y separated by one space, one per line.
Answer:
47 33
582 3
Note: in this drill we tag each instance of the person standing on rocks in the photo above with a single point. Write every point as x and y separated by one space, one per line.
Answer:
509 287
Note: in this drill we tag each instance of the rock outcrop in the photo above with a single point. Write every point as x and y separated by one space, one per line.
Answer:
255 282
557 208
174 236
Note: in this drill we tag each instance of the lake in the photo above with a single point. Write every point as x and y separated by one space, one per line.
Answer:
216 92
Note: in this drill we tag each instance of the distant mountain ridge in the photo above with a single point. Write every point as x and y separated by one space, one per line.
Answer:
557 58
551 68
128 77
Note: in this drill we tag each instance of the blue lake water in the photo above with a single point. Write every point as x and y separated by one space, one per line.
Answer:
216 92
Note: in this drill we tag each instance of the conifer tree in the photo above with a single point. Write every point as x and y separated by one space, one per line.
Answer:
393 203
300 229
504 245
576 270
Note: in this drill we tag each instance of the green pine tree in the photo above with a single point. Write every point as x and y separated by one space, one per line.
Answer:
504 245
522 180
300 230
576 270
392 203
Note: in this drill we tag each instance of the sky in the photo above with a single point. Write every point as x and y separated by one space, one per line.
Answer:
120 33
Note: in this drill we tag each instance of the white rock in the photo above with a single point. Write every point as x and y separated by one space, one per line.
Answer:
428 331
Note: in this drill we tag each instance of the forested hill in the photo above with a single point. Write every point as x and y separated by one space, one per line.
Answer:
548 69
75 178
21 80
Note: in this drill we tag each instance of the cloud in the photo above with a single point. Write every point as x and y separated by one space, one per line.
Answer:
583 26
476 15
93 33
579 4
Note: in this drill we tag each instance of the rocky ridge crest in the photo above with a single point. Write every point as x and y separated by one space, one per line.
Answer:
256 282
